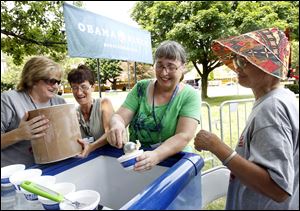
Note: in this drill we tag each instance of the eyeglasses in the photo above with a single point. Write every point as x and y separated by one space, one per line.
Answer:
51 81
239 62
82 88
170 68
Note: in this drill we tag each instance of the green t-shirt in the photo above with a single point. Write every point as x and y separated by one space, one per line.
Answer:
143 127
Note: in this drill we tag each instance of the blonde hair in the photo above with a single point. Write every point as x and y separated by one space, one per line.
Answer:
37 68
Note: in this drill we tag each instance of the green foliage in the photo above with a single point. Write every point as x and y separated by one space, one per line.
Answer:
6 86
293 87
32 28
295 55
12 74
250 16
109 69
196 23
143 71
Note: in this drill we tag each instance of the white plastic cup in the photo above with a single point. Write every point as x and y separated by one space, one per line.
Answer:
46 181
18 177
7 188
63 188
90 198
7 171
128 160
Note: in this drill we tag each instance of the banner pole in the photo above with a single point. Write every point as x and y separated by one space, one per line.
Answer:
128 66
98 76
135 80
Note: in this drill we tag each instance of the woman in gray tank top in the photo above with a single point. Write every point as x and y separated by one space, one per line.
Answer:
93 114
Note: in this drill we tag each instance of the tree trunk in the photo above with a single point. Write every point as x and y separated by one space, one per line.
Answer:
204 78
204 83
114 84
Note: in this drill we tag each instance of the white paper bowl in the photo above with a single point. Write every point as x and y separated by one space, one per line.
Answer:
18 177
90 197
46 181
63 188
7 171
128 160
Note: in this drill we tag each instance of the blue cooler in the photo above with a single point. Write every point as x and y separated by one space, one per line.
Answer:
174 184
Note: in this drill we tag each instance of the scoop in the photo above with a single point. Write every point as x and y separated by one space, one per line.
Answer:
131 146
49 194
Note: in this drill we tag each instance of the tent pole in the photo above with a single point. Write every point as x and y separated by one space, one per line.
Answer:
98 76
135 80
128 66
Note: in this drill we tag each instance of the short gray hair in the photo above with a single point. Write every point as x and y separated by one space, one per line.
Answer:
170 50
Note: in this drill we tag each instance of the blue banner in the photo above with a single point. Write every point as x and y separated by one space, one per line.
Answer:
94 36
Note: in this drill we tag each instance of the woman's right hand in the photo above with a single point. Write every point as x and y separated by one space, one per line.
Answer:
117 134
206 140
34 128
86 148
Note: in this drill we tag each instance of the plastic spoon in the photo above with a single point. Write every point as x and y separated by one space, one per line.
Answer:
48 193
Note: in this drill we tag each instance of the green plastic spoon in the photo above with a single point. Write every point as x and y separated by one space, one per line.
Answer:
48 193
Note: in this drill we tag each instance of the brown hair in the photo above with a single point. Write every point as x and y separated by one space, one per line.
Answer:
80 74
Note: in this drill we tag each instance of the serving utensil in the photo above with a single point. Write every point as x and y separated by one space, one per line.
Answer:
49 194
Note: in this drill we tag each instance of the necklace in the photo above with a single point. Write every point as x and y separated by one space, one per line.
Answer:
34 105
158 125
85 123
88 114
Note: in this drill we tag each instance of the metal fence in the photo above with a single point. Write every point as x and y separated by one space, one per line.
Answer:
206 124
233 115
237 112
205 116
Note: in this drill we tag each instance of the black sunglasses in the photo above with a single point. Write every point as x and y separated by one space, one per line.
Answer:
51 81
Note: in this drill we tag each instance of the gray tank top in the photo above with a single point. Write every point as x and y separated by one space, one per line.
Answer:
93 127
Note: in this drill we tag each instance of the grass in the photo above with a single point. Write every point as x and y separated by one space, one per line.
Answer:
216 101
218 204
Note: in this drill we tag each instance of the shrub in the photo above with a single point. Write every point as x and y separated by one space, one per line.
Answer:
293 87
6 86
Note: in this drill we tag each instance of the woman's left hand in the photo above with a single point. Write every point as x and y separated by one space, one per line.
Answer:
146 161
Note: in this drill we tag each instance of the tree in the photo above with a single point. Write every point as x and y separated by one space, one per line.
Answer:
13 75
33 28
109 69
209 21
143 71
195 24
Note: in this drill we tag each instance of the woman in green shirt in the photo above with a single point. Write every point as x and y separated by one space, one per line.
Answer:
162 113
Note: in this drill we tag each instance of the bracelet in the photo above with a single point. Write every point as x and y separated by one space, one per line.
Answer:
226 161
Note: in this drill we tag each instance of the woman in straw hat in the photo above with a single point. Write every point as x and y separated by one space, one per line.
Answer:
265 164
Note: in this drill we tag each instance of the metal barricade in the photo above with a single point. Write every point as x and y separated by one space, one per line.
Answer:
207 116
205 123
238 112
233 117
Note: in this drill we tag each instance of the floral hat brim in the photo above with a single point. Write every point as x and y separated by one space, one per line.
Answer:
268 49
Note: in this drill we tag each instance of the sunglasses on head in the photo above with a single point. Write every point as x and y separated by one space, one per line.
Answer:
239 62
51 81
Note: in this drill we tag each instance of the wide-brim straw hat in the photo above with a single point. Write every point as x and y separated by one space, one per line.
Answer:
268 49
